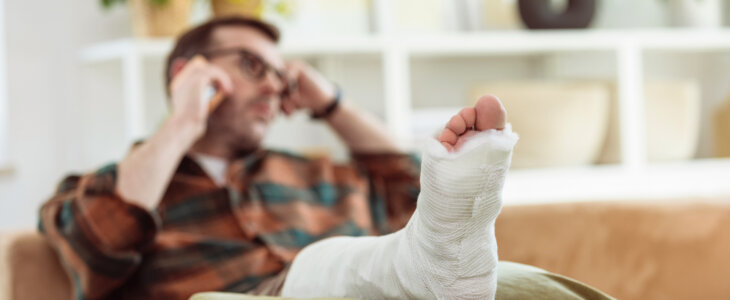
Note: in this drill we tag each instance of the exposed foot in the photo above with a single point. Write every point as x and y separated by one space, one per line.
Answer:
448 249
487 113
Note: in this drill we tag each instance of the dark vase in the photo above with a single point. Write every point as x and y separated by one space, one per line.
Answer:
537 14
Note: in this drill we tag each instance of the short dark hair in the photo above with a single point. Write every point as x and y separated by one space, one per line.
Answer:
195 40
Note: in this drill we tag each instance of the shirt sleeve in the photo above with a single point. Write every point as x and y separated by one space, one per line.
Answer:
97 235
394 185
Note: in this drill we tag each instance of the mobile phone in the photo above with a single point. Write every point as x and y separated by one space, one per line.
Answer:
214 97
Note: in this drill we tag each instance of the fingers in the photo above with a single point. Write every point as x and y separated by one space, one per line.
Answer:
219 78
288 107
295 67
205 73
293 101
190 88
314 90
191 67
296 71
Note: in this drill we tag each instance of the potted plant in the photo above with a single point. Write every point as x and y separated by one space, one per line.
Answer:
250 8
156 18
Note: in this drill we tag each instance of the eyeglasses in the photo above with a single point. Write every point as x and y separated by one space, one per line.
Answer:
256 67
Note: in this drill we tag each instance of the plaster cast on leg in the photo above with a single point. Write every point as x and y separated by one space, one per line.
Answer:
448 248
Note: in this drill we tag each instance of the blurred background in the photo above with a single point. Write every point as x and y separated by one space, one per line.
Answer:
613 99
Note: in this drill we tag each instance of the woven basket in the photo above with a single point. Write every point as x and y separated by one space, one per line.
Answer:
246 8
560 123
672 120
155 20
722 130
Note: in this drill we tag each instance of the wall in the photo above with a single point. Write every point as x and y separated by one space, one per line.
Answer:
42 41
49 108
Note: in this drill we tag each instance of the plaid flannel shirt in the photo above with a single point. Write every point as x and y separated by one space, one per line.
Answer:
203 237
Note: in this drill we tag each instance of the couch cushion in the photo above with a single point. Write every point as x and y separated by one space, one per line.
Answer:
517 281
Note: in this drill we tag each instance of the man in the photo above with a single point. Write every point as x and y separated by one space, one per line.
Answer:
199 206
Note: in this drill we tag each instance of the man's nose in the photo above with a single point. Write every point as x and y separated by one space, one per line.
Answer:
271 85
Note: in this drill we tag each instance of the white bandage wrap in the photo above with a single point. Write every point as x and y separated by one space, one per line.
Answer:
447 250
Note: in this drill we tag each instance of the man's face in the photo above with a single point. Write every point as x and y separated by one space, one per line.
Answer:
244 116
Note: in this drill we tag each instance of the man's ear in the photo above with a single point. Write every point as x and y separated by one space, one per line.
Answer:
176 66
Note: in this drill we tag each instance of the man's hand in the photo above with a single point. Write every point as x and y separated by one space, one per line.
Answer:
361 132
188 92
145 173
314 92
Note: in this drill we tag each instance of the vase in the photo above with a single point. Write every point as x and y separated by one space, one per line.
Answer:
722 130
695 13
159 20
244 8
540 14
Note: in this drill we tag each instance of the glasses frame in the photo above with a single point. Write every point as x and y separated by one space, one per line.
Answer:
246 56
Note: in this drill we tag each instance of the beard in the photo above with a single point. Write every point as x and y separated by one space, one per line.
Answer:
242 129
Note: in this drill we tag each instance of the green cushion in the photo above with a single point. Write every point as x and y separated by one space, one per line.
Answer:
234 296
514 281
518 281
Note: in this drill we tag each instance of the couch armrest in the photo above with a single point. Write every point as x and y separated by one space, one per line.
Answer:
670 249
30 269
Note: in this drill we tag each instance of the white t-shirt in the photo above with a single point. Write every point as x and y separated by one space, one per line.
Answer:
214 166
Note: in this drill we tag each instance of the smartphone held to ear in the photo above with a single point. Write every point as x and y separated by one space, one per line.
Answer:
214 96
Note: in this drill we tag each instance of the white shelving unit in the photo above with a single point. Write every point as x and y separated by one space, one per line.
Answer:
5 167
702 178
633 178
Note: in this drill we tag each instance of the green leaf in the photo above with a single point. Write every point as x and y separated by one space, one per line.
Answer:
159 2
107 4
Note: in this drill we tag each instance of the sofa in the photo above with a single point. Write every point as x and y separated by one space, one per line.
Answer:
658 249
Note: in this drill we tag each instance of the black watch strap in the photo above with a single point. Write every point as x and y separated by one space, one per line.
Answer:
331 107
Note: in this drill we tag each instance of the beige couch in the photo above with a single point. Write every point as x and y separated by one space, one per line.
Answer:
670 249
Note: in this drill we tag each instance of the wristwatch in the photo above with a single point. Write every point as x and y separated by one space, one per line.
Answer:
330 107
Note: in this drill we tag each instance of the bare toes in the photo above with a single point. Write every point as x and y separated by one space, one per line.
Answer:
449 147
457 124
469 114
490 114
487 113
448 136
